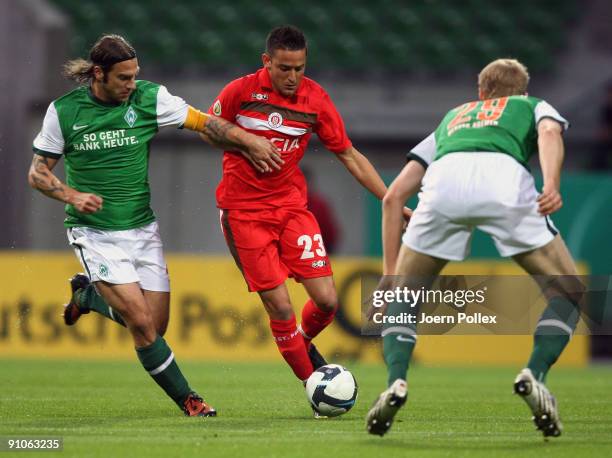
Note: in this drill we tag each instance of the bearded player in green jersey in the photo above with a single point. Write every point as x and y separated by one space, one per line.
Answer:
103 129
472 174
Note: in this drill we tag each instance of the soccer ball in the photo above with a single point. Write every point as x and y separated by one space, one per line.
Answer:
331 390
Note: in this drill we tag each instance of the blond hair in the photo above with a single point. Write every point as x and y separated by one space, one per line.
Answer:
79 70
503 77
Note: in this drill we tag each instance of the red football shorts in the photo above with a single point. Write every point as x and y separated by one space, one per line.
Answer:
273 244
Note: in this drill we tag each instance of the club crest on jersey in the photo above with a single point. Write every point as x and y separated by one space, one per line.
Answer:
130 116
275 120
217 108
258 96
103 270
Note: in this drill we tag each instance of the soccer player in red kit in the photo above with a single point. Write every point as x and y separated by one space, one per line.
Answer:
264 218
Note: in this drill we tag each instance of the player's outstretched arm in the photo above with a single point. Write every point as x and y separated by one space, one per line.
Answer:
403 187
550 145
40 177
218 132
364 172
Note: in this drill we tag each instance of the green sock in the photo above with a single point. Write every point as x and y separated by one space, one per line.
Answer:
158 360
89 298
397 348
552 334
398 343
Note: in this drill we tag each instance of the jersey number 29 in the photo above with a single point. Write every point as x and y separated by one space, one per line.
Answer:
490 110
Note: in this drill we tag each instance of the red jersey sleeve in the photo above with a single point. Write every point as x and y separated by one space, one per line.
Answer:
227 103
330 127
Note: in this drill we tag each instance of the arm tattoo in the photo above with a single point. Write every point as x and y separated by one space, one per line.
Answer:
47 187
44 180
40 163
217 130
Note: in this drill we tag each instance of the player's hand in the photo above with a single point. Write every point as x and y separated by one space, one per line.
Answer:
86 203
549 201
263 154
260 166
407 212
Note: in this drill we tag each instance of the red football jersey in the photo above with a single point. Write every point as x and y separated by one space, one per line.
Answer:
251 103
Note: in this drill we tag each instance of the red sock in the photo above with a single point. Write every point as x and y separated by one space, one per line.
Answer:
291 345
314 320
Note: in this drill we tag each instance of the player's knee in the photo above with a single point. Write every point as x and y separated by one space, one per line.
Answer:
327 300
139 319
280 311
142 324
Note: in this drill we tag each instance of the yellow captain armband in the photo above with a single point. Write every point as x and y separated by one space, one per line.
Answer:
196 120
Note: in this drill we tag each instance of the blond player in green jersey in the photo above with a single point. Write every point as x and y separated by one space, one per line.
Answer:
103 130
472 173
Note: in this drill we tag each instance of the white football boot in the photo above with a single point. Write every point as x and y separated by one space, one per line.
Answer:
543 405
380 417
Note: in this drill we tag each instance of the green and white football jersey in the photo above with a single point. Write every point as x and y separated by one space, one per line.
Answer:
106 150
506 125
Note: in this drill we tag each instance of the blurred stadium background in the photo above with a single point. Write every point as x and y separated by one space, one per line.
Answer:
393 69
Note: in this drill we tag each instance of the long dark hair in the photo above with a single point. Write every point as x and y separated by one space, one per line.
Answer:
106 52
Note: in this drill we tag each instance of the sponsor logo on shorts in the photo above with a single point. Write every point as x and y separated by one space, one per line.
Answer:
319 264
275 120
217 108
103 270
130 116
258 96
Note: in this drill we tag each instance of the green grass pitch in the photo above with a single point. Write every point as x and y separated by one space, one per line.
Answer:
111 409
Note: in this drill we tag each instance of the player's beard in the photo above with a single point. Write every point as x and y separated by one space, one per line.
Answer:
120 95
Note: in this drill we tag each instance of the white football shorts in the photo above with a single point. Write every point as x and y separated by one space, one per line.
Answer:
488 191
119 257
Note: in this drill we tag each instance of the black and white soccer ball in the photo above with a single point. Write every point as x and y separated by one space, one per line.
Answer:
332 390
